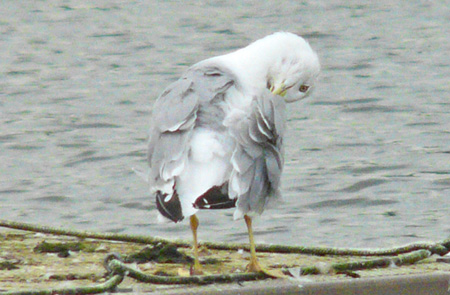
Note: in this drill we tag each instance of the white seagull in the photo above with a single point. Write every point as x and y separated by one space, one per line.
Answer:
216 137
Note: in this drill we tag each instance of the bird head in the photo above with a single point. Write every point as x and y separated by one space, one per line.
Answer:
295 70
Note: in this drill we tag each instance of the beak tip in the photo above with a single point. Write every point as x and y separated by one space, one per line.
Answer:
280 90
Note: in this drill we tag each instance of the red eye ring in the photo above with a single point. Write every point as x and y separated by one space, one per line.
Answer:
303 88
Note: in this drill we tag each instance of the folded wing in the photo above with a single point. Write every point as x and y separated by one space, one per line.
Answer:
185 105
258 157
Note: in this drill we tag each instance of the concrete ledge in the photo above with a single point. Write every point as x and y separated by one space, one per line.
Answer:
429 284
431 276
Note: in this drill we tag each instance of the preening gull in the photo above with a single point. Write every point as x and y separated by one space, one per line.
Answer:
216 137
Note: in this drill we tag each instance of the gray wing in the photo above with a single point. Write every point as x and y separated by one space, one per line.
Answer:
258 158
175 114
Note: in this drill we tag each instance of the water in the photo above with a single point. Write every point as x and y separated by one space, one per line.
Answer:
367 156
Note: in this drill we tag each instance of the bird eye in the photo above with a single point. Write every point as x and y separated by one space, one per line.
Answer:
303 88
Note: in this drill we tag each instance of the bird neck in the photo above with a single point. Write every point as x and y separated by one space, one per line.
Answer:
253 64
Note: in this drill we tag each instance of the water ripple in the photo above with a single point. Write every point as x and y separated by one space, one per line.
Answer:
346 101
52 199
96 125
360 185
86 159
373 108
371 169
358 202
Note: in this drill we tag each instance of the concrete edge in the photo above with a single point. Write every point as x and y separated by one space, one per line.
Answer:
425 284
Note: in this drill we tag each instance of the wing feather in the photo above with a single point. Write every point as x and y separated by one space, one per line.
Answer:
258 157
181 108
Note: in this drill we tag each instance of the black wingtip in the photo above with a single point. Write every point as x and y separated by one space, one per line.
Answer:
169 207
215 198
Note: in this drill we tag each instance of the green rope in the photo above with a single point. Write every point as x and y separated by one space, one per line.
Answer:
88 234
440 248
109 285
399 260
117 266
113 265
404 259
435 248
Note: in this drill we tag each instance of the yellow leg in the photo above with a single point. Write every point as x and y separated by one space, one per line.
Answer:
253 266
197 268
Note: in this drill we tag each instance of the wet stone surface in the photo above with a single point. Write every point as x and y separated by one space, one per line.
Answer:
43 269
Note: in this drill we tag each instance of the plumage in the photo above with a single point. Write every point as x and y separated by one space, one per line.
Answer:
216 138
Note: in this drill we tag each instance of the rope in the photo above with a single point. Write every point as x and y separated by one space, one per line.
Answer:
117 266
89 235
404 259
109 285
440 248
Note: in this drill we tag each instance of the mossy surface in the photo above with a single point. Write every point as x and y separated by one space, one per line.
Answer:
34 261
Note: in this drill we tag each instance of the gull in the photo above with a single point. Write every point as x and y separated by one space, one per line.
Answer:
216 136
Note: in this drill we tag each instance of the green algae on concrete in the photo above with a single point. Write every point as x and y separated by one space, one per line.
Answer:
84 266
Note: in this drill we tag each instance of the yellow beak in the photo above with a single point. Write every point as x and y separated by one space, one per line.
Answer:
279 90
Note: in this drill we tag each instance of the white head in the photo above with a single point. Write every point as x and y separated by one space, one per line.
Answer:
283 62
295 69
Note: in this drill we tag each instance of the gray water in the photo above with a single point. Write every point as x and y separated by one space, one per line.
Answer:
367 155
